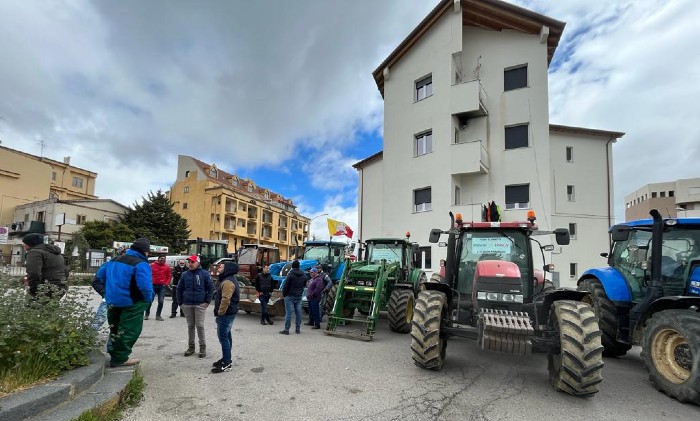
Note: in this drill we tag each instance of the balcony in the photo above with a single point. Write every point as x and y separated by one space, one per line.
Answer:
469 158
467 99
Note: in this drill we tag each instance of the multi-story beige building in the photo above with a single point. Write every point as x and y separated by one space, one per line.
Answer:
680 198
26 178
466 122
222 206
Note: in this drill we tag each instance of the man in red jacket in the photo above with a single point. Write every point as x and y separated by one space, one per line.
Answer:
161 278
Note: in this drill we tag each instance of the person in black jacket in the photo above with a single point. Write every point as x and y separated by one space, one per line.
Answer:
292 290
264 284
178 270
225 308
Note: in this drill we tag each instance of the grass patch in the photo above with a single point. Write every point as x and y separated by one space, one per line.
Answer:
129 398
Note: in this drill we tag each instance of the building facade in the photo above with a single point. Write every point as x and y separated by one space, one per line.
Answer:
680 198
221 206
466 122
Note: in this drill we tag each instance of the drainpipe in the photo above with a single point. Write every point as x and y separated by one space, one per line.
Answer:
607 173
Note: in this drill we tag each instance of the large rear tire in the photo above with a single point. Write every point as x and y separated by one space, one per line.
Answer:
330 299
400 309
671 353
607 317
428 345
576 367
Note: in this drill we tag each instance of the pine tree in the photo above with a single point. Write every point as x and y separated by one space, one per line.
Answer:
101 234
155 219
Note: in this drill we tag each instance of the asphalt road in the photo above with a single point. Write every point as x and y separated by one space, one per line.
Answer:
311 376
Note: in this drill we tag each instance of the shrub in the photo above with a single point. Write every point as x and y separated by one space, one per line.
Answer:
40 339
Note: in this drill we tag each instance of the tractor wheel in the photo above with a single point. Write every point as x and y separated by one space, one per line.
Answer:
401 310
607 316
671 353
428 345
330 300
576 366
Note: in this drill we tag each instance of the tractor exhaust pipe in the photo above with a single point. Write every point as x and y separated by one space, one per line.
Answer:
655 289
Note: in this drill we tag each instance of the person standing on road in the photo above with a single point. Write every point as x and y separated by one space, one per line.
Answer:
161 278
45 267
313 294
194 293
128 292
292 290
264 284
225 308
179 269
327 285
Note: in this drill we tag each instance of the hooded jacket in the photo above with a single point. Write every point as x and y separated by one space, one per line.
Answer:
126 279
45 264
195 287
161 273
228 293
315 288
293 284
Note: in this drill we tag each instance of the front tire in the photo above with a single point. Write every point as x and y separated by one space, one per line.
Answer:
428 345
607 317
671 353
400 309
576 367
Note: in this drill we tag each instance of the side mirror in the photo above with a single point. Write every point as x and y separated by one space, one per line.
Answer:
620 233
562 236
435 235
604 255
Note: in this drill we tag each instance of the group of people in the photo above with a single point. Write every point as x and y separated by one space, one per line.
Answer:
293 290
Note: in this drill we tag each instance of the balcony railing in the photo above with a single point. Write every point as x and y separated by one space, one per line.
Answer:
467 99
469 158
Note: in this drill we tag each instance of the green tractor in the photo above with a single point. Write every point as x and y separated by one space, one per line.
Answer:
388 279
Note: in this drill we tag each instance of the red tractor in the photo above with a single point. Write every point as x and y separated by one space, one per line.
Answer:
493 292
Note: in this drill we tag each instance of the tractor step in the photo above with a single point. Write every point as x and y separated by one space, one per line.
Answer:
505 331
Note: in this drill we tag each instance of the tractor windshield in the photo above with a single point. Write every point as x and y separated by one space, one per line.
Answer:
320 253
376 252
487 244
247 256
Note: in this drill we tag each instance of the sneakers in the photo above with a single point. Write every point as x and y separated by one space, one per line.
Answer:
160 319
270 322
172 316
190 351
202 351
298 330
263 322
224 367
217 363
284 332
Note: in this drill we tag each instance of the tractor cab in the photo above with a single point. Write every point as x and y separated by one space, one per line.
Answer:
252 257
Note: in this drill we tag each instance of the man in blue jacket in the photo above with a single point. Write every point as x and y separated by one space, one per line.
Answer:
128 292
194 293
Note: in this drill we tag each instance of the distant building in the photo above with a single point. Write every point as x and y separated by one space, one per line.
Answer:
466 122
221 206
680 198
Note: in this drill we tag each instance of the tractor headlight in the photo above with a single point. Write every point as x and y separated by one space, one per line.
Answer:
481 295
369 283
508 298
360 283
492 296
518 298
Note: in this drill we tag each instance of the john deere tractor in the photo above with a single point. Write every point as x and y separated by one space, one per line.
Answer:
386 280
493 292
650 296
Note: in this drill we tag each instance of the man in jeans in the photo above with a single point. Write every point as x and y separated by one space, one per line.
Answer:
292 290
225 309
194 293
161 279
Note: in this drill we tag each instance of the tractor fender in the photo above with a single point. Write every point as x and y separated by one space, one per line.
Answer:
613 282
440 286
543 308
414 276
661 304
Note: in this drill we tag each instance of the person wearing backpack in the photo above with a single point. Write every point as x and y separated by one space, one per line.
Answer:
226 301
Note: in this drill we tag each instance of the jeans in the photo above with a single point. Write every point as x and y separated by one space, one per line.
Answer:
194 314
100 319
264 299
223 331
315 312
292 303
158 290
173 307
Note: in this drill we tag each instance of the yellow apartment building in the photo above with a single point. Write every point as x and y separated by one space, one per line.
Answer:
222 206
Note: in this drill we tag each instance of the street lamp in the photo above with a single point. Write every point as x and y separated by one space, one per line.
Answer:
308 235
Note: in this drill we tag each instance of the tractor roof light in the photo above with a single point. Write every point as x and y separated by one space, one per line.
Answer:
531 216
408 234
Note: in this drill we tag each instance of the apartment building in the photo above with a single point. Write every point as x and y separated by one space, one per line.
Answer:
466 122
680 198
222 206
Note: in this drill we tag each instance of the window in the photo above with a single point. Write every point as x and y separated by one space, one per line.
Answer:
573 270
187 189
662 194
570 193
670 193
422 200
424 144
456 135
515 78
569 154
425 258
214 173
40 216
77 182
653 194
424 87
184 205
518 196
187 174
80 219
53 175
235 181
458 199
572 231
516 136
250 187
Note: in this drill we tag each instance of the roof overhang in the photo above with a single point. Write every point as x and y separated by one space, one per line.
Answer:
585 131
360 164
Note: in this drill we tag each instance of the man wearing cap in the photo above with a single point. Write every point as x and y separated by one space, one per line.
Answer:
45 266
313 294
194 293
128 292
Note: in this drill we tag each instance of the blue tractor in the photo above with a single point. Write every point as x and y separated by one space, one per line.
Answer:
649 295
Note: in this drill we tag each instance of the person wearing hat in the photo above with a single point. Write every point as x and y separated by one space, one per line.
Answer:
225 308
292 290
313 294
46 268
128 292
194 293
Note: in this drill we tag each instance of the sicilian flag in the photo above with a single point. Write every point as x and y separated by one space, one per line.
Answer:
339 228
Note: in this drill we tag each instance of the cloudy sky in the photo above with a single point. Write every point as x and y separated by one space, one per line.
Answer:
282 91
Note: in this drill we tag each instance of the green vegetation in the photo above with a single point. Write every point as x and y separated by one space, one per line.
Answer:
41 339
130 397
155 219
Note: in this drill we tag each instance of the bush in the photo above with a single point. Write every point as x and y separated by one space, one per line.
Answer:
40 339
